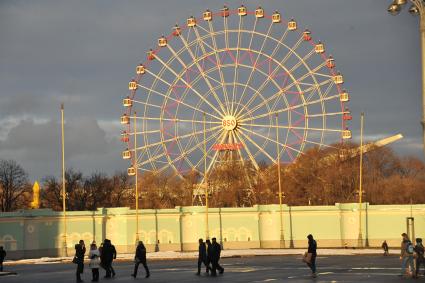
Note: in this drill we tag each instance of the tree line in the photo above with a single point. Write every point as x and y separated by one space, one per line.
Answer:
319 177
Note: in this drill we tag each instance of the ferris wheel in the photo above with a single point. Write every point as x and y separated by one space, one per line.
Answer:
237 83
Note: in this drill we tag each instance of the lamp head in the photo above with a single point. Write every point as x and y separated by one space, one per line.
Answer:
400 2
413 10
394 9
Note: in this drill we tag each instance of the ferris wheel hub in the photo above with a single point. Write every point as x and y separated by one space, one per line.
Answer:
229 123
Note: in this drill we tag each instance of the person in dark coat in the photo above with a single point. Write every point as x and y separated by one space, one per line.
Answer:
209 256
2 257
215 258
140 258
385 248
312 246
419 250
114 256
108 253
202 257
80 250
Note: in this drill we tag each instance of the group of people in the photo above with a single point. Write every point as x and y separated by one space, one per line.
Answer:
209 255
411 255
98 257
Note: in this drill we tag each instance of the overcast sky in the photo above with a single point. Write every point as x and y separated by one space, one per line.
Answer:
83 53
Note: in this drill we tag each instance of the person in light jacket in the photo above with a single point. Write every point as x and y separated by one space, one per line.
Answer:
94 256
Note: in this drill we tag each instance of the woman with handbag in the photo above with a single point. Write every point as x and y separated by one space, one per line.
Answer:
310 256
94 256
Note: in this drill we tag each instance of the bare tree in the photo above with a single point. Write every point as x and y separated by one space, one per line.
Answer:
13 186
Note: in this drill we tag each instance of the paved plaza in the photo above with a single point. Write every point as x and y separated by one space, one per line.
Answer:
288 268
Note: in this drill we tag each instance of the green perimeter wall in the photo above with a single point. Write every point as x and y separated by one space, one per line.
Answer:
37 233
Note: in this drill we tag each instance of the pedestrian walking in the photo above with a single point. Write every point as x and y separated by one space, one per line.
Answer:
94 256
209 257
80 250
215 258
114 256
385 248
2 257
140 258
202 257
311 254
419 255
107 255
406 256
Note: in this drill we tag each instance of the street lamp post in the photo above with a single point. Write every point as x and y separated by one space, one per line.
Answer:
136 179
417 8
282 237
64 240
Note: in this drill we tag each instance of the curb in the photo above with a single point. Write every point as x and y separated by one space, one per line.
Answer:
7 273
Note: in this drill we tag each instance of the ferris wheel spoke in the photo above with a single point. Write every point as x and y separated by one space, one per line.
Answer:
183 155
325 114
221 136
255 64
291 127
248 151
282 92
173 139
187 84
214 158
257 146
236 73
271 140
201 71
175 100
217 58
176 120
145 103
279 65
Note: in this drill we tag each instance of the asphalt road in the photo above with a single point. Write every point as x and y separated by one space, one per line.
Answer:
364 268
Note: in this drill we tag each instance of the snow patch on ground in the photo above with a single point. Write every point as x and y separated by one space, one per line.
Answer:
225 253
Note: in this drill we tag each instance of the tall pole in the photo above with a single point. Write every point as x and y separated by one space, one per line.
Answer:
422 34
207 232
417 8
135 166
282 236
65 251
360 239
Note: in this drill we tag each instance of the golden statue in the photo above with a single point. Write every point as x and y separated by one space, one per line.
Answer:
35 204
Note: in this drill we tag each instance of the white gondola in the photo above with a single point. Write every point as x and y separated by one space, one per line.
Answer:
191 22
319 48
344 96
162 41
207 15
292 25
132 85
242 11
140 70
126 102
259 12
125 119
276 17
338 79
126 154
131 171
346 134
